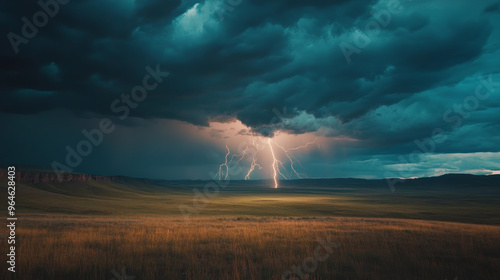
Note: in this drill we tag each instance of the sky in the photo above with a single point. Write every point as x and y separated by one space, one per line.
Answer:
159 89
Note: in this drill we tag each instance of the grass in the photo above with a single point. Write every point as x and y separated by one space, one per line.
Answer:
140 198
250 231
82 247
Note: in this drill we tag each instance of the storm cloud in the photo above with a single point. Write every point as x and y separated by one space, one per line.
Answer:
383 73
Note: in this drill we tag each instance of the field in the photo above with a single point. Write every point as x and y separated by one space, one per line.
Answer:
440 200
94 230
61 247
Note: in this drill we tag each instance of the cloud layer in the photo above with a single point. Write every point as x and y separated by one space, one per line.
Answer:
381 72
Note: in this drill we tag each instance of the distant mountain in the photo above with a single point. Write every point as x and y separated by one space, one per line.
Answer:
455 181
43 175
33 174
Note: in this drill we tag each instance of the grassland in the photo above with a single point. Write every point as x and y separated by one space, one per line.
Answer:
89 230
138 198
68 247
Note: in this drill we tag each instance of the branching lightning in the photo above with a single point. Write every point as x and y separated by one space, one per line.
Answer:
290 157
224 165
243 154
252 167
287 153
278 168
305 146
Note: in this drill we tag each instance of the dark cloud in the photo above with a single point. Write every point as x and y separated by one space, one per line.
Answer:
256 59
495 7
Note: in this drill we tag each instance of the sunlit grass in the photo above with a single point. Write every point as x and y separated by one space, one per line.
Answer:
142 199
64 247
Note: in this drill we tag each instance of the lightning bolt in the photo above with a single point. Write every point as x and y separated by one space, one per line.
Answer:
242 154
252 167
305 146
224 165
287 153
277 165
275 161
290 157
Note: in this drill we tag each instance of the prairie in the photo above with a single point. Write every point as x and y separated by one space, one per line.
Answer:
79 247
472 200
433 228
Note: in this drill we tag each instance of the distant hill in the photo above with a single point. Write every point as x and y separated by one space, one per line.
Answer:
35 175
452 197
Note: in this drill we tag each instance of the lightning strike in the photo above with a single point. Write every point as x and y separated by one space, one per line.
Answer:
252 167
243 153
241 156
274 164
287 153
277 165
224 164
305 145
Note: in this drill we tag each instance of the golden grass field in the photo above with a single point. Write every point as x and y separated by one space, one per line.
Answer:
92 230
83 247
